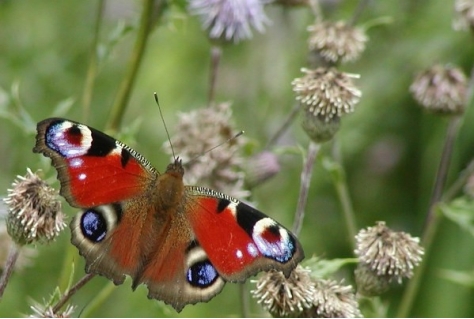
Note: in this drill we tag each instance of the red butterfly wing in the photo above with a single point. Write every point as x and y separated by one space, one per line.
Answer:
93 168
238 239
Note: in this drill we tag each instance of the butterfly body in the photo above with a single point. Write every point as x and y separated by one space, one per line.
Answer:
183 242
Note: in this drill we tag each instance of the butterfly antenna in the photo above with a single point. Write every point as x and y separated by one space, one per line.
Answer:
214 147
164 123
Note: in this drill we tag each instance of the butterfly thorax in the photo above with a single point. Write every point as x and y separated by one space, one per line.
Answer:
170 187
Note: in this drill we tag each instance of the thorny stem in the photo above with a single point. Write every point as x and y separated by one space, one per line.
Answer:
8 268
92 69
216 54
65 298
123 96
306 173
284 126
432 219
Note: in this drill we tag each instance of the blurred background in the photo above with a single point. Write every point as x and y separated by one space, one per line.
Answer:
390 147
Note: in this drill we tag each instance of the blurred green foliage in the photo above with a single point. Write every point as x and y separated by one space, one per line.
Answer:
390 148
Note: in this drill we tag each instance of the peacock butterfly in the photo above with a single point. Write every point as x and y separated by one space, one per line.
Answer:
183 242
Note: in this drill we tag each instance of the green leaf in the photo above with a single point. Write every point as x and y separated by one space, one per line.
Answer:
461 212
463 278
324 268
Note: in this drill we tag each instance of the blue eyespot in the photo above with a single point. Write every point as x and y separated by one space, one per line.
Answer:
93 225
202 274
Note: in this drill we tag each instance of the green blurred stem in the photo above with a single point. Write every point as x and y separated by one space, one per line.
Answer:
216 54
284 127
65 298
358 11
432 219
98 300
340 183
306 173
123 95
8 268
92 68
244 300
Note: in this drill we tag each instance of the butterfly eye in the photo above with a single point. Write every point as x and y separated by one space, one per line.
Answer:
202 274
93 225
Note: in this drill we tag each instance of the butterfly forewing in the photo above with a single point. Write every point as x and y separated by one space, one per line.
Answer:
93 168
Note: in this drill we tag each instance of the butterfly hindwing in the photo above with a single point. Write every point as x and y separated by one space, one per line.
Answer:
239 240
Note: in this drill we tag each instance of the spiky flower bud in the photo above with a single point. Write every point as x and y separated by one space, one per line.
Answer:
326 93
261 167
368 283
318 128
34 211
197 132
441 89
388 253
285 297
230 20
464 15
336 41
332 300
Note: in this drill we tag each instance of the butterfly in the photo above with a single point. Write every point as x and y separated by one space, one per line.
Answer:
183 242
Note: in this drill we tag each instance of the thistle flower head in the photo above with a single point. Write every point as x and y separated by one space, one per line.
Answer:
326 92
230 20
464 15
34 211
285 297
197 132
46 311
388 253
441 89
336 41
332 300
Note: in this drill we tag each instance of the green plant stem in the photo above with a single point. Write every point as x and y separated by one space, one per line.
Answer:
306 173
98 300
65 298
432 220
8 268
340 183
244 300
216 54
123 95
92 68
286 124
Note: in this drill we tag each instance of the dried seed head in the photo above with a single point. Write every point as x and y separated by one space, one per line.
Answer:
34 211
368 283
285 297
464 15
326 93
388 253
441 89
230 20
200 130
336 41
332 300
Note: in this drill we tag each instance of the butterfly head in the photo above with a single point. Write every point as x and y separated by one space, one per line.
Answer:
176 168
